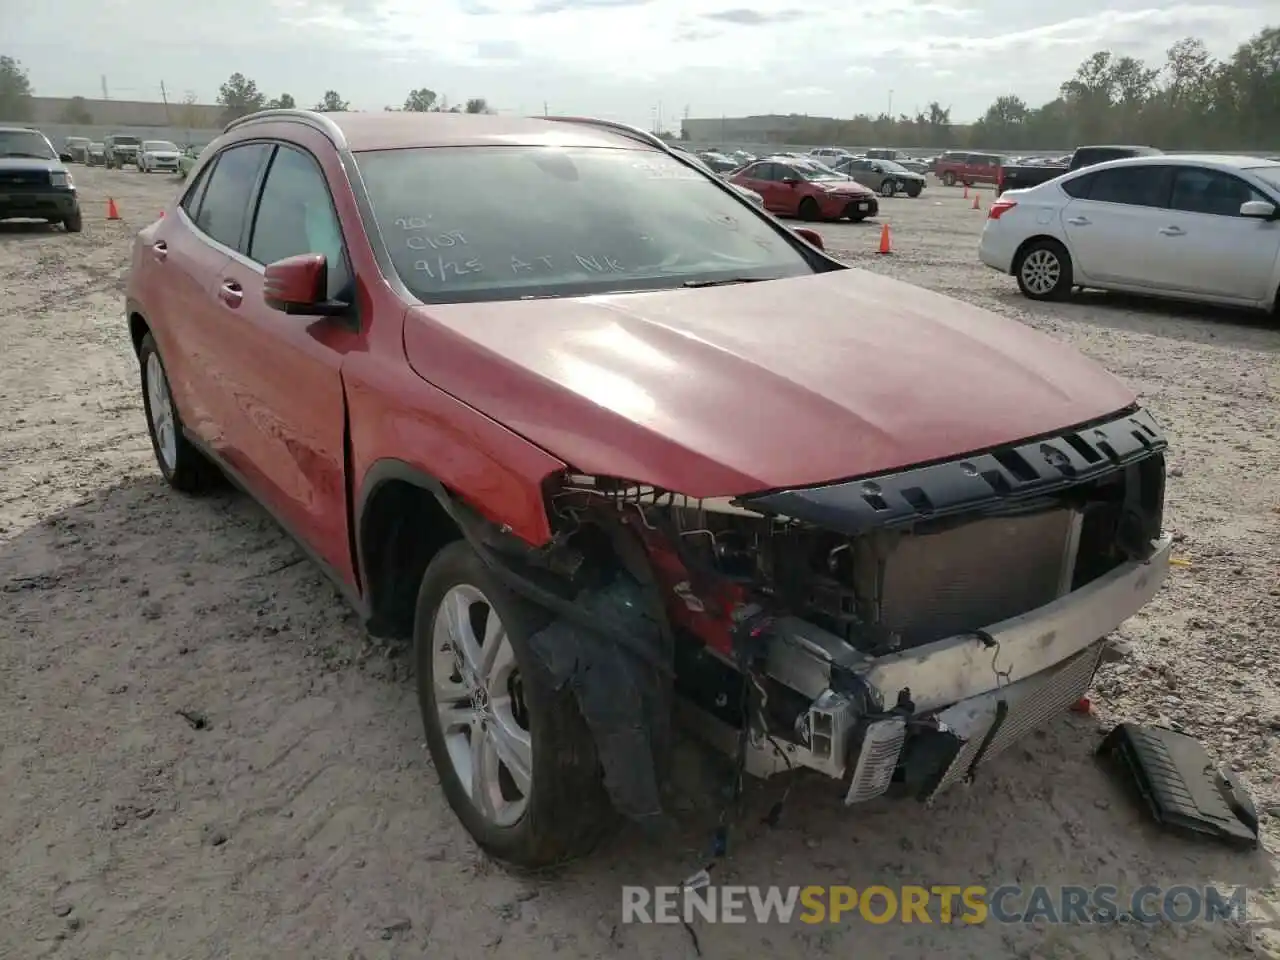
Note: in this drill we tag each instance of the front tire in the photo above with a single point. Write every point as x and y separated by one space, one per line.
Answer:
1043 270
183 466
74 222
915 190
514 756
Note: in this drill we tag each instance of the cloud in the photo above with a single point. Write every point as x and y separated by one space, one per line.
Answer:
615 58
806 93
752 18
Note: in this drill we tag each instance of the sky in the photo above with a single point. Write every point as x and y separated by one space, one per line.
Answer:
632 60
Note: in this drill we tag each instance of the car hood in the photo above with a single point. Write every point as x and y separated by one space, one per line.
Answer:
729 390
844 187
29 163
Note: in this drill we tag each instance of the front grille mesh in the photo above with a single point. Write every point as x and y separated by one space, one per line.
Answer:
1060 687
942 584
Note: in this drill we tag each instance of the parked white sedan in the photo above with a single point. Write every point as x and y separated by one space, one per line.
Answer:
158 155
1190 227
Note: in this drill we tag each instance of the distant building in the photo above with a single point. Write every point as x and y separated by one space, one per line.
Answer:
127 113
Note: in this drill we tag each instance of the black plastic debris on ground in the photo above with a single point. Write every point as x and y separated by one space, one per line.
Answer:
1180 784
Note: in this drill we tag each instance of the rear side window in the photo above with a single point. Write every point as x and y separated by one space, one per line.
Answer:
296 215
195 192
1144 186
224 208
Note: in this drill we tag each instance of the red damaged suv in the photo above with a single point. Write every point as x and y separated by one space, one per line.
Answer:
611 445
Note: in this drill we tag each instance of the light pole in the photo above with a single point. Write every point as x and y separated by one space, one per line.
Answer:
890 104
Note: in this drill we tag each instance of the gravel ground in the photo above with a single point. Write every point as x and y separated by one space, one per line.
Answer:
202 757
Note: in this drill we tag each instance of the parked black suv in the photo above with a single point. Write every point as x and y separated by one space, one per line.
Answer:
34 183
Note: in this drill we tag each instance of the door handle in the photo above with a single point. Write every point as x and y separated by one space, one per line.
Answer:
1079 221
160 250
231 293
1173 231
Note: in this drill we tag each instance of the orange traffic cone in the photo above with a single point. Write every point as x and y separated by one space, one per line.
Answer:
976 205
966 191
112 212
886 243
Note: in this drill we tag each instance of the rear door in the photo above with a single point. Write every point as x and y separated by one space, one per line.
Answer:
1113 221
214 219
1206 247
187 254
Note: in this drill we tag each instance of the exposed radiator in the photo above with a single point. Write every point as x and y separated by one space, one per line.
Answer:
942 584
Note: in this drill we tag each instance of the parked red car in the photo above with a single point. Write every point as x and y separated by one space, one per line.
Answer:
601 437
958 166
810 191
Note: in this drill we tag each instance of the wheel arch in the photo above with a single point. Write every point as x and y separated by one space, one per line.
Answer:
403 517
138 326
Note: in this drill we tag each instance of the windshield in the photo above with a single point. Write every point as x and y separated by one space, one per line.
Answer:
125 141
25 143
76 141
159 146
1269 175
507 222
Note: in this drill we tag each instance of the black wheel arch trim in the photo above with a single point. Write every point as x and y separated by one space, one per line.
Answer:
977 481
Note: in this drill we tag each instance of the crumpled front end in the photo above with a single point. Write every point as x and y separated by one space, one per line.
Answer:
901 629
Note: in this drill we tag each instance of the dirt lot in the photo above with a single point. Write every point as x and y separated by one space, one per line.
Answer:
297 814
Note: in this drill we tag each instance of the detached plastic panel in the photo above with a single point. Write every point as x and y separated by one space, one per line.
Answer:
1182 786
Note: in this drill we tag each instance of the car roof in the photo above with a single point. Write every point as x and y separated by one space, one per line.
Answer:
1220 160
398 129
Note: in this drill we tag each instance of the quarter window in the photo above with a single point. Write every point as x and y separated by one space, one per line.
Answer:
296 215
224 209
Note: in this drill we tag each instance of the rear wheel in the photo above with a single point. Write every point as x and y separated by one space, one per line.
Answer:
1043 270
183 466
808 209
949 179
888 188
514 756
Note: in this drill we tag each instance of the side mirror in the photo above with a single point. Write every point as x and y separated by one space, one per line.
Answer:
811 236
1258 209
65 157
299 285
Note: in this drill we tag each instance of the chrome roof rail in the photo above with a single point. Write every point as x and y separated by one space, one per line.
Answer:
311 118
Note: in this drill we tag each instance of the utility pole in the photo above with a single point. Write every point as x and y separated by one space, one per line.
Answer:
105 95
545 111
164 96
890 104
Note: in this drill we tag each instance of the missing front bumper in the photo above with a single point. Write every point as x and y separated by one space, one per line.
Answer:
968 697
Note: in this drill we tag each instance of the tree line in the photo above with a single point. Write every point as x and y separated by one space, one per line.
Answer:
240 96
1190 101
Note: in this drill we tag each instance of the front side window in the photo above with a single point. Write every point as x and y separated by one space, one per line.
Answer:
296 215
224 209
506 222
1196 190
30 144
